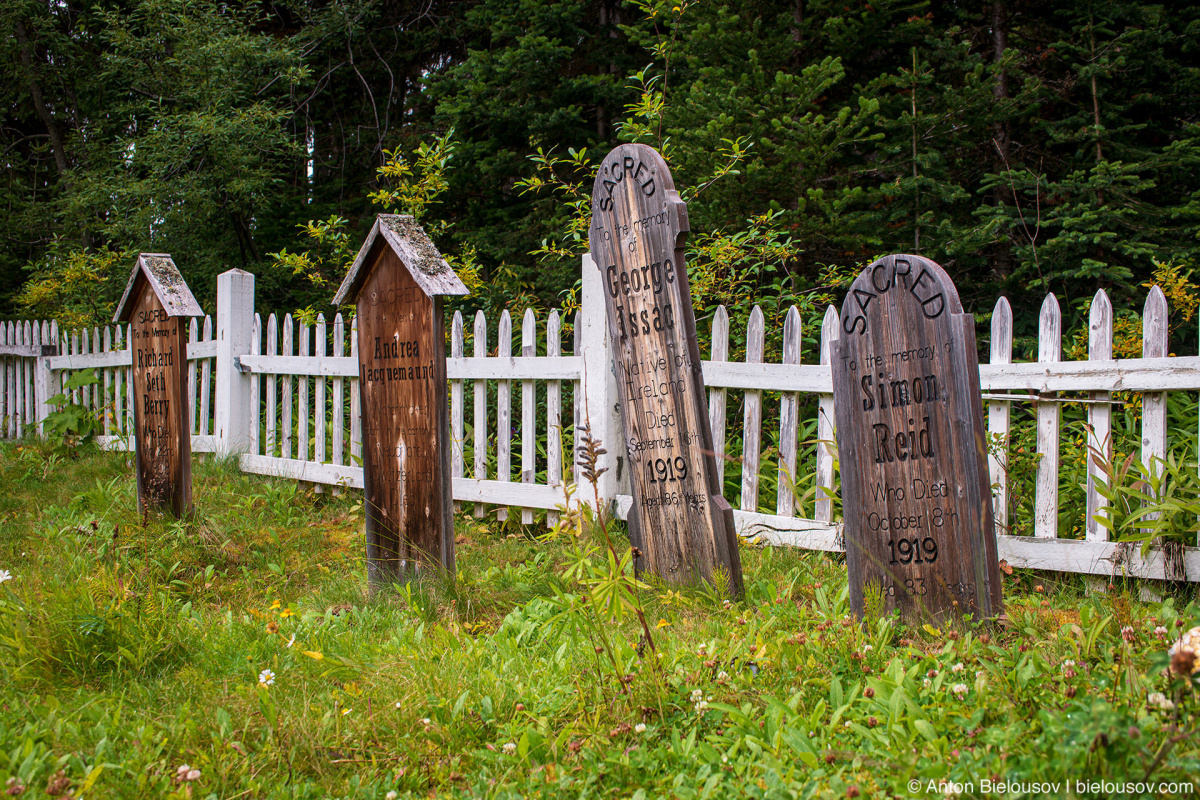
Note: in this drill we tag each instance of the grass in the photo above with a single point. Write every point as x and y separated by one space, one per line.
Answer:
131 645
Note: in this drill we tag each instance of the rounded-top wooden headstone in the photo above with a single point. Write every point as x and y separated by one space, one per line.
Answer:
397 282
679 520
157 305
911 446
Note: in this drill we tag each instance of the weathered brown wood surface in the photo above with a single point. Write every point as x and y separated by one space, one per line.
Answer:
911 446
405 423
679 519
162 433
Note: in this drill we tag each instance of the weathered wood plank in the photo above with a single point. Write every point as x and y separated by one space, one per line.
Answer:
256 389
504 410
528 407
752 415
1155 334
718 395
1100 332
302 412
1045 512
789 419
553 412
205 379
285 439
480 397
681 522
826 416
338 455
1000 414
272 443
193 371
916 497
320 409
457 424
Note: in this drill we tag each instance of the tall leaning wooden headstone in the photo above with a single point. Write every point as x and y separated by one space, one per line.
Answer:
397 282
911 446
157 305
679 518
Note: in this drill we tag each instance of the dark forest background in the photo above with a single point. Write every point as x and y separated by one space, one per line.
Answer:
1026 146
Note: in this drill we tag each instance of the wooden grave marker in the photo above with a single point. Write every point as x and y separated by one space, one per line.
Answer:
679 518
912 451
397 282
157 305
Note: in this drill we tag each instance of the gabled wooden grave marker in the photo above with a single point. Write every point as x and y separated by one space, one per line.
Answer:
912 448
157 304
679 518
398 281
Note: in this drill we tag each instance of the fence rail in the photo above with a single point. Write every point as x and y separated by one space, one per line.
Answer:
283 396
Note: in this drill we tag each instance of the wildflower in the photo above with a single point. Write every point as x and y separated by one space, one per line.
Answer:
868 692
696 695
5 576
957 667
959 689
867 648
274 605
426 721
640 727
398 704
1127 634
287 612
926 683
391 795
266 678
1185 653
1159 699
346 711
184 769
192 775
272 627
722 676
291 641
509 748
1160 632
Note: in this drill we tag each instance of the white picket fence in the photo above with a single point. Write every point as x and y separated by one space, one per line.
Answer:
283 397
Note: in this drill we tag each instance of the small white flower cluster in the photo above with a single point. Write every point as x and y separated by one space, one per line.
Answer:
5 576
266 678
639 728
722 676
699 701
960 689
957 667
1160 632
867 648
391 795
509 748
1160 700
427 722
186 773
926 683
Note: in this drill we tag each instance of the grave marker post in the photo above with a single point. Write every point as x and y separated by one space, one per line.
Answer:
679 518
397 282
912 446
156 304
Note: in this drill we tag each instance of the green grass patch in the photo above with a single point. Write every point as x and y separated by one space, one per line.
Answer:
243 644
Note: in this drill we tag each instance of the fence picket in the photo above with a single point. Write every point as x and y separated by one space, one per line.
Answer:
5 405
1000 415
553 413
193 368
528 409
752 415
272 381
355 404
339 409
75 395
457 424
286 423
789 419
826 446
480 392
302 430
130 398
118 383
504 410
255 388
32 337
1154 404
717 397
108 379
1100 331
205 378
319 410
1045 512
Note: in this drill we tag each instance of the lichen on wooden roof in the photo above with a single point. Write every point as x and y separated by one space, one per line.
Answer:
416 252
164 279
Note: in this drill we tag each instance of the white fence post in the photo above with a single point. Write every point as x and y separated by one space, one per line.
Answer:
599 408
44 384
235 325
